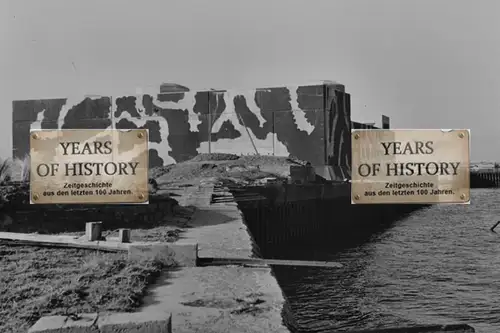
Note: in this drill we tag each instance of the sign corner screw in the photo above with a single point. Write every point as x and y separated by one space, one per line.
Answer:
35 197
35 136
356 197
356 136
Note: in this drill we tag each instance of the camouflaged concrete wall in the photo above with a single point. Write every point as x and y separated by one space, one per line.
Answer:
309 122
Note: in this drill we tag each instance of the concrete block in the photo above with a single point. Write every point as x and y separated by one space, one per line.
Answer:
186 252
454 328
62 324
124 235
106 323
135 322
182 253
93 231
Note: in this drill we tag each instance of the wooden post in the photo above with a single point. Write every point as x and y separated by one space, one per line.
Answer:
93 231
124 235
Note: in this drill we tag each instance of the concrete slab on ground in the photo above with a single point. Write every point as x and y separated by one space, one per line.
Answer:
184 252
223 298
106 323
219 299
220 232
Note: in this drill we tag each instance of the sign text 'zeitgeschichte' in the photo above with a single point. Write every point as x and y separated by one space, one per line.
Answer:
410 166
89 166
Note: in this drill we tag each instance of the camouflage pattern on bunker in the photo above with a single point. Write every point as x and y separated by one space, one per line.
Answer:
311 122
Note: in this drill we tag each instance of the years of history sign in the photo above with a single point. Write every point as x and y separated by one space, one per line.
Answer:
89 166
410 166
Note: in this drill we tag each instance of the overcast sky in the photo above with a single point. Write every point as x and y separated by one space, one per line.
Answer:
425 63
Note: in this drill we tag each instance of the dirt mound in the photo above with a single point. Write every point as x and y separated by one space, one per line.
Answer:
214 157
242 169
271 160
157 172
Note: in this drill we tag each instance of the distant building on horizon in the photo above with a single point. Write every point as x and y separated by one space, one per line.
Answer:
172 88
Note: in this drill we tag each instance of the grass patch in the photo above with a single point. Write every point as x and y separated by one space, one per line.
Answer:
17 170
36 282
168 230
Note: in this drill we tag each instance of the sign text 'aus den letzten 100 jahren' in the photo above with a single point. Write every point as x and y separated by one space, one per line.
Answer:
410 166
89 166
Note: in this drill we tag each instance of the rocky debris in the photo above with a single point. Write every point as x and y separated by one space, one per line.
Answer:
157 172
14 195
241 168
152 185
244 169
214 157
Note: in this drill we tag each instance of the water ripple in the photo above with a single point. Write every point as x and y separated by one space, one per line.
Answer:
440 265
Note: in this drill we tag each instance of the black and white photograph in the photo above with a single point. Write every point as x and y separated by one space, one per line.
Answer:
280 166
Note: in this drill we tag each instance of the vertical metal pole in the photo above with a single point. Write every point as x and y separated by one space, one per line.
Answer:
210 123
249 134
273 133
326 123
113 125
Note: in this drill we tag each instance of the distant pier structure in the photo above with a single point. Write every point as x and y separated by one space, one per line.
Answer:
486 178
386 122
